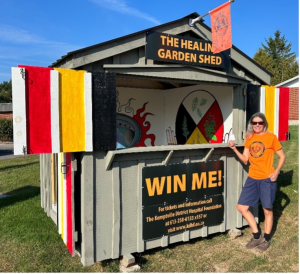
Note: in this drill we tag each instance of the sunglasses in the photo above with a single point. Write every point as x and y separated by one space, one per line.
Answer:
255 123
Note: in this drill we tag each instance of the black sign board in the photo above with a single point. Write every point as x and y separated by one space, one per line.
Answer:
181 197
184 50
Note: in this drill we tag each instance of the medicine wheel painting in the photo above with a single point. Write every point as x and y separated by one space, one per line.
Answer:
199 119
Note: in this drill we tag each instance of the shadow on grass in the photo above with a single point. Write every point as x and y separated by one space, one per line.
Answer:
282 200
168 251
19 195
7 168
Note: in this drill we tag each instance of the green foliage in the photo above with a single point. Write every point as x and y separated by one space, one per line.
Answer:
5 92
199 112
210 127
185 128
278 48
277 58
6 129
194 104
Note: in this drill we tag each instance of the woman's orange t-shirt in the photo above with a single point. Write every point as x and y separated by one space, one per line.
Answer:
261 154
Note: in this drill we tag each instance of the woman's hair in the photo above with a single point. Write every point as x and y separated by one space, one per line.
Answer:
250 130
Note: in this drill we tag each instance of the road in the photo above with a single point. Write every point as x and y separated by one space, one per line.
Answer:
6 151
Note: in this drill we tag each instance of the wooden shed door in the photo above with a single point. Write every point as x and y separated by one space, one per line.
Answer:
66 224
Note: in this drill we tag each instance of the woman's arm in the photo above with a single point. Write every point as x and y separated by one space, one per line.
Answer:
273 176
243 157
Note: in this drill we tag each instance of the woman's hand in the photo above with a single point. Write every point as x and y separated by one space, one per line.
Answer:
273 176
231 144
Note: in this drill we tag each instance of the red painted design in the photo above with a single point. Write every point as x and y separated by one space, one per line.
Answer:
145 126
283 125
213 114
69 203
38 109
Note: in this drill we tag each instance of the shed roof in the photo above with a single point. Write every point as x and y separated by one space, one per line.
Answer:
289 82
117 46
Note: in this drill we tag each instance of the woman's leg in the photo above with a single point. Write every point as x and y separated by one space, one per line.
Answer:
244 210
268 220
268 228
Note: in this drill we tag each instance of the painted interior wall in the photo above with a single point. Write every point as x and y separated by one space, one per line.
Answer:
189 115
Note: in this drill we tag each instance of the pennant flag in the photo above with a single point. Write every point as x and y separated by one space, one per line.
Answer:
221 28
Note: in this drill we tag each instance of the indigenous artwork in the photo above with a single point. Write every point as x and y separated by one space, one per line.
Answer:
63 110
199 119
52 110
132 123
190 115
198 115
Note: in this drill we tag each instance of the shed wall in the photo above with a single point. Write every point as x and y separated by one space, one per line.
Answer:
112 224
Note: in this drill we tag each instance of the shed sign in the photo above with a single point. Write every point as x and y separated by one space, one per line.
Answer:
184 50
181 197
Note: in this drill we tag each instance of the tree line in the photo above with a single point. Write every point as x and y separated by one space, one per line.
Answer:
5 92
277 58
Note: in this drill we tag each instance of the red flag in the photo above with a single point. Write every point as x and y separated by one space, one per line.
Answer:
221 28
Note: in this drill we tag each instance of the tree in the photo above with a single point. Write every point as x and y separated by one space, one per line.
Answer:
5 92
277 58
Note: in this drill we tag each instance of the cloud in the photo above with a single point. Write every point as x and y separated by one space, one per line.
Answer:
17 43
19 46
122 7
18 36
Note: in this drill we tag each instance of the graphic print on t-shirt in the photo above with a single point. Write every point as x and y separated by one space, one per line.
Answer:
199 119
257 149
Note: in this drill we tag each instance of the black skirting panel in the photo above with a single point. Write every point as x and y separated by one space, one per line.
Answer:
104 110
253 100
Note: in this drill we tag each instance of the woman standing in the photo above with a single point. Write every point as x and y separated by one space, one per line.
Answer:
259 149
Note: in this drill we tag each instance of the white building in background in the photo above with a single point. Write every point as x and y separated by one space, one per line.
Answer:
293 84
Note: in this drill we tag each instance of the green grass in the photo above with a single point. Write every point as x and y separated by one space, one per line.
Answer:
29 241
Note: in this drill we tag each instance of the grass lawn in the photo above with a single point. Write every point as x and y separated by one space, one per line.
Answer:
29 241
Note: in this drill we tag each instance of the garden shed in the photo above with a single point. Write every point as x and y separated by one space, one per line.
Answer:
160 170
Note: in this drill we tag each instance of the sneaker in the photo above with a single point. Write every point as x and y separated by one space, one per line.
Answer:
263 246
255 242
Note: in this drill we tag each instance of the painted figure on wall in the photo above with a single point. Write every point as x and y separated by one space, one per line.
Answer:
132 131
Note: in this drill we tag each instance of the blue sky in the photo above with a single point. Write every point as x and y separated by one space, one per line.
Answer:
38 32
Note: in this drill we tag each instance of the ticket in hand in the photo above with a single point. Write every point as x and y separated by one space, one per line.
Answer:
231 137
